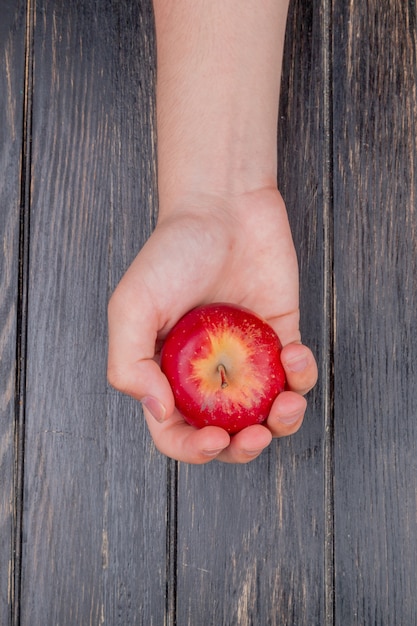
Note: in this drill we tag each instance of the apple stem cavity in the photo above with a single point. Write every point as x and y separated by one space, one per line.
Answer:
222 371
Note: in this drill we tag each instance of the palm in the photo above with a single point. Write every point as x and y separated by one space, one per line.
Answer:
248 261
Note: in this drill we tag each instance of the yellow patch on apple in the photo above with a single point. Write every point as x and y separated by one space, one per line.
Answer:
227 368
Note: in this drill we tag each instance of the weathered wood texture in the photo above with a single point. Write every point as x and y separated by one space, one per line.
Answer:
96 527
94 489
375 196
251 539
12 189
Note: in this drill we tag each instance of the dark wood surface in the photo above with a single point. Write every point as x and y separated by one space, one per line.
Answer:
375 352
96 527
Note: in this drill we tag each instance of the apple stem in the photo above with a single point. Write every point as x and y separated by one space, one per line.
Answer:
222 371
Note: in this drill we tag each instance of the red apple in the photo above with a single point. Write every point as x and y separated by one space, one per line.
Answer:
223 364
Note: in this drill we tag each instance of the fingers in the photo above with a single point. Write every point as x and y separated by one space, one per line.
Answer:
289 408
298 360
246 445
178 440
182 442
131 368
300 367
287 414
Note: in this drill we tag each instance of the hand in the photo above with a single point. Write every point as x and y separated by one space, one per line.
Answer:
210 249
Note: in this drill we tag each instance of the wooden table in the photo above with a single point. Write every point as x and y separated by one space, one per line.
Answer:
96 527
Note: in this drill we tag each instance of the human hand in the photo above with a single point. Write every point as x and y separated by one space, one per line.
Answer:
210 249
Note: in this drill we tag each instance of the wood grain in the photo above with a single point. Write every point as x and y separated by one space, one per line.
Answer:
95 491
12 62
251 539
375 159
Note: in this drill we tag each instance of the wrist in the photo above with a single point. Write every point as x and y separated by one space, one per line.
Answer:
231 164
234 211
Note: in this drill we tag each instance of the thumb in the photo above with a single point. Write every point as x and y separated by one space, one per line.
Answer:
300 367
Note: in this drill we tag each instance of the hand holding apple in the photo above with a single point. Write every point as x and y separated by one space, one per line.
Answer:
239 250
223 365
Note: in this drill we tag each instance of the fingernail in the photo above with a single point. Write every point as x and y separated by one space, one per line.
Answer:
253 452
154 407
290 419
212 452
297 365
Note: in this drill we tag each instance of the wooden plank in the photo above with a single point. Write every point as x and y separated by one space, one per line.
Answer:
251 539
95 491
138 487
375 195
12 54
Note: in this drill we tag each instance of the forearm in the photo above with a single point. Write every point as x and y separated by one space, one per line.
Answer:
218 78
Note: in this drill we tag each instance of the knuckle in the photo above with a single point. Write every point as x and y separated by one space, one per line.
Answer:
116 379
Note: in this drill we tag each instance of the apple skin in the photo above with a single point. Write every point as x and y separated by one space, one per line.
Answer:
223 364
